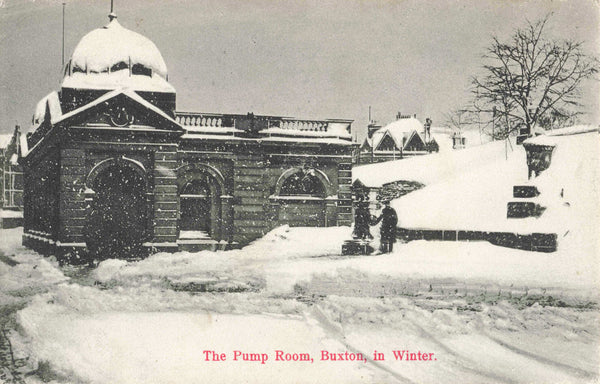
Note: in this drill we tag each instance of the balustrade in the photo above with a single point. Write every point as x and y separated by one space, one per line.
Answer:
212 120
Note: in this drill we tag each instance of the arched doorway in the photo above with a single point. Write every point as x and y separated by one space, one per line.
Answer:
301 196
117 225
200 201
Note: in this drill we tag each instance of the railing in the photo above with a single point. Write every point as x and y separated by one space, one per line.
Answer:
214 120
201 119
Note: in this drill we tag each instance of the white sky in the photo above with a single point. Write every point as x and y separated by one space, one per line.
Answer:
314 59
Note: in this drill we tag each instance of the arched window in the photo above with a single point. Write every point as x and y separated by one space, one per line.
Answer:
197 204
140 69
118 66
196 188
303 183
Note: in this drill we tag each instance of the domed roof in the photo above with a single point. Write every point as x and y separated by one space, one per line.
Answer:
114 56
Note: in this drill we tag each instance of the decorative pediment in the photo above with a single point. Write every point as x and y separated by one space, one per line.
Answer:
120 109
119 116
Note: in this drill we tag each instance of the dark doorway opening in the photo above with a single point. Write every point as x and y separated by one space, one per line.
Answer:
117 226
196 206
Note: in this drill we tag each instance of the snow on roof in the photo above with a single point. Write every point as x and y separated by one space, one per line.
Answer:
551 138
53 102
117 79
103 58
405 125
400 131
24 145
541 140
104 47
216 130
476 198
339 129
428 168
109 95
295 139
336 132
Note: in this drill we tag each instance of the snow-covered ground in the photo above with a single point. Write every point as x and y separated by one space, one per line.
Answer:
486 313
479 313
427 169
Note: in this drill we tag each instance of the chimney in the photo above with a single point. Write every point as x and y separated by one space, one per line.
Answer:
427 127
372 128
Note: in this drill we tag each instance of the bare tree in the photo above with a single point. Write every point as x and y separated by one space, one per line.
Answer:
531 81
461 118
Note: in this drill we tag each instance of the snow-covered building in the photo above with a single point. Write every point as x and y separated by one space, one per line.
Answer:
12 173
11 182
408 137
405 137
112 168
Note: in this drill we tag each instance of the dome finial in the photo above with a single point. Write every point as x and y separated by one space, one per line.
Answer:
112 15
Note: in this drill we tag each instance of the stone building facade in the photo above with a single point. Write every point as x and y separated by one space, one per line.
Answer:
12 172
113 170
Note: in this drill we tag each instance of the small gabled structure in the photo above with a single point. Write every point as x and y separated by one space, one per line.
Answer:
402 138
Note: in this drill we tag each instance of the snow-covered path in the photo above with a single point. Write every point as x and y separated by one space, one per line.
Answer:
116 345
132 322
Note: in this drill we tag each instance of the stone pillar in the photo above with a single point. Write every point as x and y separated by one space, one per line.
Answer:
73 208
249 191
165 201
227 218
330 213
344 205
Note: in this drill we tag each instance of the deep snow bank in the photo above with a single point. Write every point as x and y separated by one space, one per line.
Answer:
246 268
432 168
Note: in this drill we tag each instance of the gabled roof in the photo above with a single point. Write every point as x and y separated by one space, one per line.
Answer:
111 95
38 136
381 139
9 143
366 144
401 131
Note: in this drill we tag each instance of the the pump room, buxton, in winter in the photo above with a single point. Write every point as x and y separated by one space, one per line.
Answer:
111 168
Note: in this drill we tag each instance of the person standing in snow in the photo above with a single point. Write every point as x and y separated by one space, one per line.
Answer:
361 219
389 221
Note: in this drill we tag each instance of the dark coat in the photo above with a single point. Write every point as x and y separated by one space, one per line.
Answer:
361 221
389 221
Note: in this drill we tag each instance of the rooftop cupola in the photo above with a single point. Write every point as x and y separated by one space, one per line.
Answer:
114 57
